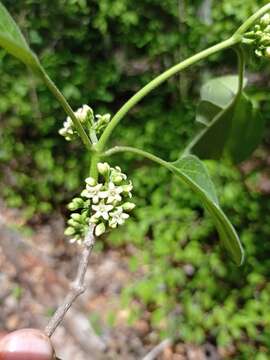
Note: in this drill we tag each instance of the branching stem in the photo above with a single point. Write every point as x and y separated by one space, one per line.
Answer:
234 40
78 286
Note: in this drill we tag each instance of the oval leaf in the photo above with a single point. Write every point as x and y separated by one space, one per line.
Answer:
193 172
221 90
206 111
211 141
246 132
12 40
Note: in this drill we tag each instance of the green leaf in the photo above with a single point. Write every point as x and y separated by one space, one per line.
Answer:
221 90
237 130
216 95
210 142
193 172
206 112
12 40
227 116
246 132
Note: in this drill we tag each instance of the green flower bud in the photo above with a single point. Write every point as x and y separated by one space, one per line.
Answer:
116 179
76 204
93 219
265 20
265 39
127 188
73 223
258 53
76 217
90 181
100 229
103 168
84 215
267 52
128 206
70 231
267 29
84 193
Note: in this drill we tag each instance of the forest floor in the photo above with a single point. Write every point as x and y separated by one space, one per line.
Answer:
36 268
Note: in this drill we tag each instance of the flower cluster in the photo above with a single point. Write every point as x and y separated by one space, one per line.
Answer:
84 114
259 37
87 118
105 203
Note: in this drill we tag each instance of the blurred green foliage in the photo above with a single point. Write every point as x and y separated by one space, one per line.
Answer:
100 52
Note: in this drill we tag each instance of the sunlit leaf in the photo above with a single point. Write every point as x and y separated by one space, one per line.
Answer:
221 90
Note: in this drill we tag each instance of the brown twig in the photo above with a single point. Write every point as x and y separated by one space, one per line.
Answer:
157 350
77 287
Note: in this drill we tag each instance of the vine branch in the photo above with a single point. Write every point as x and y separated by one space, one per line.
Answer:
77 287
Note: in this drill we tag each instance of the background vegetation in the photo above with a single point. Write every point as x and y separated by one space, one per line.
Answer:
100 52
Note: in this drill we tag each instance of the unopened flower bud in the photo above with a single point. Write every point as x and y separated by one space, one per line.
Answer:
117 179
100 229
128 206
69 231
267 52
103 168
127 188
84 193
90 181
73 223
76 204
265 39
93 219
76 216
84 113
265 20
84 215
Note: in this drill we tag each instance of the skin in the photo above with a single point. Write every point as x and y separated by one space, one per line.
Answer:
26 344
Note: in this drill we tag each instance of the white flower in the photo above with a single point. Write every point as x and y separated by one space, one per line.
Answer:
117 217
112 194
67 130
92 192
102 210
83 112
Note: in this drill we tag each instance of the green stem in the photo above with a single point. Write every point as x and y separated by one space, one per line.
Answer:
159 80
241 73
235 39
118 149
250 21
93 167
93 136
65 105
241 67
